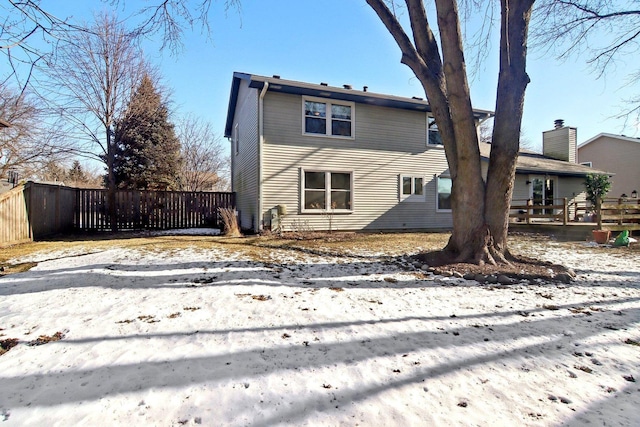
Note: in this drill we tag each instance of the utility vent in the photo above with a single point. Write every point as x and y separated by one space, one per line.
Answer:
275 76
417 97
365 88
559 123
323 84
347 86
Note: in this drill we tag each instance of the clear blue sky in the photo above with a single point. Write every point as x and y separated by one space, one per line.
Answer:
343 42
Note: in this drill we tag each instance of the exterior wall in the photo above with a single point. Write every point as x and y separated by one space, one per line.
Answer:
244 163
617 156
560 144
387 143
573 189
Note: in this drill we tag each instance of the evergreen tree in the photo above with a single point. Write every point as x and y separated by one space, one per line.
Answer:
148 151
76 174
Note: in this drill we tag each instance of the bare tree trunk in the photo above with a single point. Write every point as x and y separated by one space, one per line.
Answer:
467 184
480 213
512 82
111 182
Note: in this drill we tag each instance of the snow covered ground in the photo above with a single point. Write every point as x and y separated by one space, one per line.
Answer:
208 336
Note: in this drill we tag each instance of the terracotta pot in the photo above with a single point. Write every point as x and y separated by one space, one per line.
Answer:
601 236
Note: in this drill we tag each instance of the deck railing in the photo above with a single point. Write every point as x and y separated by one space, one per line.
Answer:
613 214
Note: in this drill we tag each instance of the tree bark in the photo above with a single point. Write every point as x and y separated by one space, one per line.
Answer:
480 213
512 82
111 182
467 191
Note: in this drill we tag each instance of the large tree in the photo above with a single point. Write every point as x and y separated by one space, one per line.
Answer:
480 209
91 81
29 141
147 155
205 165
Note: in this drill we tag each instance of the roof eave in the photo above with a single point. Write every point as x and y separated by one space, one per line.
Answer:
324 91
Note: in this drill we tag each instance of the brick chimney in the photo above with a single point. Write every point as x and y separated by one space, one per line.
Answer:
560 143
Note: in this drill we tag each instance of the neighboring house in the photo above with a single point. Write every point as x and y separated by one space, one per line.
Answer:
363 161
615 153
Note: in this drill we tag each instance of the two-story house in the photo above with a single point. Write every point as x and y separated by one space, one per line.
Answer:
304 155
618 154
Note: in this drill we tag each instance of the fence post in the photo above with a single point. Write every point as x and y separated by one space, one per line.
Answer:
599 212
565 210
529 205
620 211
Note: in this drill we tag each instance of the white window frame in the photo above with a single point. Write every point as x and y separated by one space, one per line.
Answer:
236 139
413 197
329 119
430 118
437 193
327 191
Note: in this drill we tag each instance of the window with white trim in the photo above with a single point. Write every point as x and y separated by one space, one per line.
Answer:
329 118
433 134
411 188
325 190
443 202
236 139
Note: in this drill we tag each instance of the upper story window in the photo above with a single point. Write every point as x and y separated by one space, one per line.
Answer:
328 118
433 135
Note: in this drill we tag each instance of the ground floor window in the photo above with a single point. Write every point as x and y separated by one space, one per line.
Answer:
411 188
326 190
444 193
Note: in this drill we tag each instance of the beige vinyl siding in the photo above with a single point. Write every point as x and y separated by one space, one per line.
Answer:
560 144
573 189
616 155
388 143
521 190
245 163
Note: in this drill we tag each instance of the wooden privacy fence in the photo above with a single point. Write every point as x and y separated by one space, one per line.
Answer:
14 223
159 210
32 211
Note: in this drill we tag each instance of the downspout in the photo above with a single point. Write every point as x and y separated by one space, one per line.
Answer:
263 92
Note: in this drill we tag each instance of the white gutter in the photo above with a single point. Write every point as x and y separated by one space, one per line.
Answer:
263 92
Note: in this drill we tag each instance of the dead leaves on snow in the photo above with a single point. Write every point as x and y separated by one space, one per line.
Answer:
149 318
8 343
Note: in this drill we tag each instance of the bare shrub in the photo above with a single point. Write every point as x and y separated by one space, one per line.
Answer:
230 222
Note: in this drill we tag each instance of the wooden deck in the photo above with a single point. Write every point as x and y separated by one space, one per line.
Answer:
567 220
570 231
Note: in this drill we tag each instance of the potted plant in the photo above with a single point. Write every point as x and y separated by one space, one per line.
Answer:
597 186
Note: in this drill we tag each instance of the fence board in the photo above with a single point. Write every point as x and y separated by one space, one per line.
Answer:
14 222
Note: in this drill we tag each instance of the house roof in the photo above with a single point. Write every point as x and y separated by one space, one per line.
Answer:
609 135
276 84
536 163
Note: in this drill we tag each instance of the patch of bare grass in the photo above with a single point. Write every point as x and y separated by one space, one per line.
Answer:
16 268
